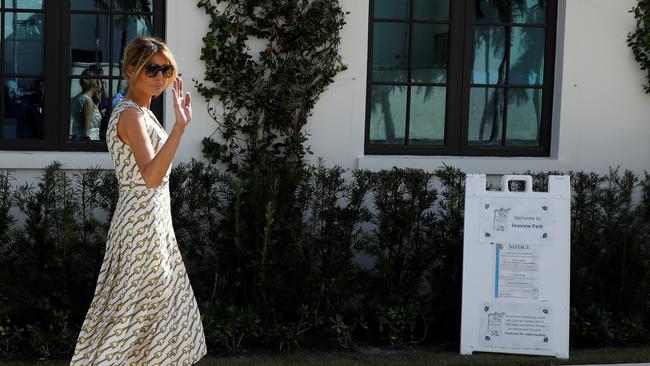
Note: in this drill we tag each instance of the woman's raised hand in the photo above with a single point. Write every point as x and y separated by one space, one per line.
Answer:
182 103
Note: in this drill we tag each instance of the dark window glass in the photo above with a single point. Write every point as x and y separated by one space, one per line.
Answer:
61 71
466 77
97 59
390 52
23 43
527 56
491 10
431 9
396 9
22 109
489 55
24 4
428 107
430 43
529 11
524 116
485 116
88 42
90 5
388 114
134 6
125 28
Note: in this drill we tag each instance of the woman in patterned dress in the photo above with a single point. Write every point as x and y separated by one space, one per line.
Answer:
143 311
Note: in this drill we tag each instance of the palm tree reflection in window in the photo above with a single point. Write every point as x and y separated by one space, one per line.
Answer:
526 50
134 8
393 74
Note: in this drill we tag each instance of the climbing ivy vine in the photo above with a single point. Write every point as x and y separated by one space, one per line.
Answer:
639 39
261 100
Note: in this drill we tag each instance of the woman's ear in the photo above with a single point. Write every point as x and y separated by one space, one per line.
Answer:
129 71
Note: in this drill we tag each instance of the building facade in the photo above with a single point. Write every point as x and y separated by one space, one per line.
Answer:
487 86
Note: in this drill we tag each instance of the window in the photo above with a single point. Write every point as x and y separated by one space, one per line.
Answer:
462 77
61 69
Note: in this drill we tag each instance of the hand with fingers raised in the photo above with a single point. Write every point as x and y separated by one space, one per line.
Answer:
182 104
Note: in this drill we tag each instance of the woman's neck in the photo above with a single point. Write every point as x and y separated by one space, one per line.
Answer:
141 100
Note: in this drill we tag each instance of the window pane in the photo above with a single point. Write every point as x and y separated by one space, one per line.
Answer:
125 28
489 55
119 88
395 9
387 114
23 43
23 109
430 53
527 56
431 9
90 4
427 115
133 6
524 117
491 10
390 52
24 4
485 116
529 11
88 41
88 108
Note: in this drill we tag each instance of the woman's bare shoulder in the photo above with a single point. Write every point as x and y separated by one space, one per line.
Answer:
131 121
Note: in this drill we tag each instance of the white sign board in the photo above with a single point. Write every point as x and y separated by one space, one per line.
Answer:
516 268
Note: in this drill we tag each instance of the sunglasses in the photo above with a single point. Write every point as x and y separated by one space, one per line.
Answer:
151 70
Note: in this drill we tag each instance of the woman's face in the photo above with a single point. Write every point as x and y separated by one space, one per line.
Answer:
151 85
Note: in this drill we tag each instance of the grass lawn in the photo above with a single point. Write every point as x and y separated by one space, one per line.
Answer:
411 358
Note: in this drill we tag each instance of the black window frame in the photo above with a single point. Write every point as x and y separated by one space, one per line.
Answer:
57 77
461 22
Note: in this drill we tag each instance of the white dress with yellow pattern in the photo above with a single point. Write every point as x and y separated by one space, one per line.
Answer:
144 311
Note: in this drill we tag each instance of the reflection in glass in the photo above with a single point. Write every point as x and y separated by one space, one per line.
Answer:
529 11
427 116
431 9
527 56
125 28
485 116
24 4
393 9
89 106
88 42
90 5
136 6
430 53
23 43
119 89
489 55
524 116
390 52
388 114
23 108
491 10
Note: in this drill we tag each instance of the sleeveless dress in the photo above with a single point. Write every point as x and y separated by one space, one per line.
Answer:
144 311
77 123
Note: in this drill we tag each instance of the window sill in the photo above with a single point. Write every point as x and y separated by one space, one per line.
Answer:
72 160
468 164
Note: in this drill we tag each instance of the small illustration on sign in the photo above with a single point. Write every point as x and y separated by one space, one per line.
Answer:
495 326
501 219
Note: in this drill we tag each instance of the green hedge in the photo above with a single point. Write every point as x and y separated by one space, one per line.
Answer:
343 259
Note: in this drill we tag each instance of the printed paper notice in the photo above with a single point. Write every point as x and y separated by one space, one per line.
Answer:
516 326
516 272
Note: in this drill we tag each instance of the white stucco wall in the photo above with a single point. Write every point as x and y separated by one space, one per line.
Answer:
601 115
